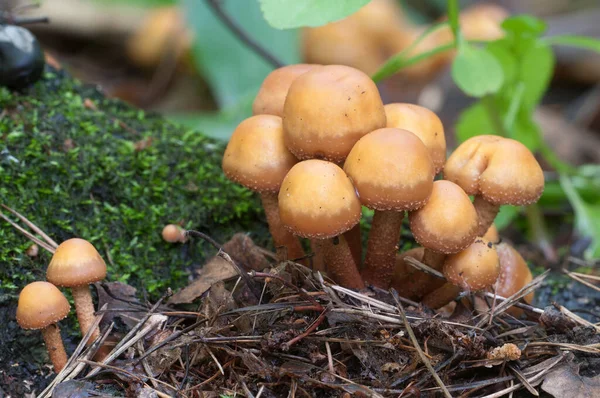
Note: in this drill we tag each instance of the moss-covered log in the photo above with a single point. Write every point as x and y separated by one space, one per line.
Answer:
78 164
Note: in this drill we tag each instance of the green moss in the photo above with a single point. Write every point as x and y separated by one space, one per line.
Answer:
75 171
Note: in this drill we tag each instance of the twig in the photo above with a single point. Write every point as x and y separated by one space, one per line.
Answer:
577 278
32 226
301 292
217 8
413 262
309 330
415 343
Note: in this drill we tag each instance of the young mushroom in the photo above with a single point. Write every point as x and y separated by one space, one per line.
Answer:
446 224
392 172
173 233
498 171
274 89
328 109
75 264
318 201
423 123
473 269
257 158
41 305
514 275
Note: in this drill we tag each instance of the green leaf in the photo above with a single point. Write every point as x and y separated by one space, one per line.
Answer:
524 25
506 215
526 130
232 69
287 14
500 50
586 43
535 71
473 121
587 218
219 125
476 71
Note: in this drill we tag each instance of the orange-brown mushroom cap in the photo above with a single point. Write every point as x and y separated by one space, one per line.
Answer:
76 262
317 200
501 170
41 304
391 170
328 109
475 268
256 156
425 124
274 89
514 272
448 221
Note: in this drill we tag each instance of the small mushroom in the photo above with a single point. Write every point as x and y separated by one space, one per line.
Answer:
328 109
473 269
41 305
446 224
76 264
514 275
257 158
498 171
317 201
423 123
173 233
274 89
392 172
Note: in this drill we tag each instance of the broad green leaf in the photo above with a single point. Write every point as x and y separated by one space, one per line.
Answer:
501 50
506 216
535 71
476 71
524 25
232 69
473 121
219 125
526 130
586 43
587 218
287 14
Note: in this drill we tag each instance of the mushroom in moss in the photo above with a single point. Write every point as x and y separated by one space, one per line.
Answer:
173 233
274 89
328 109
318 201
498 171
446 224
473 269
257 158
392 172
41 305
75 264
425 124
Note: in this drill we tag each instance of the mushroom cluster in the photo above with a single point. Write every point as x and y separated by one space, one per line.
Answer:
321 145
75 264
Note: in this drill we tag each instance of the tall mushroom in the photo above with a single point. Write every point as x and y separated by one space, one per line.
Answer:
446 224
41 305
257 158
75 264
318 201
475 268
392 172
498 171
423 123
274 89
328 109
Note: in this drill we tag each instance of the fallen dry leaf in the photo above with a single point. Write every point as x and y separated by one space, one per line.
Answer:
122 296
565 381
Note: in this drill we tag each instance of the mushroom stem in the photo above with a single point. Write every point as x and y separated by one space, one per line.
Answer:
441 296
281 236
85 310
353 237
55 347
486 212
382 247
421 283
340 263
317 262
